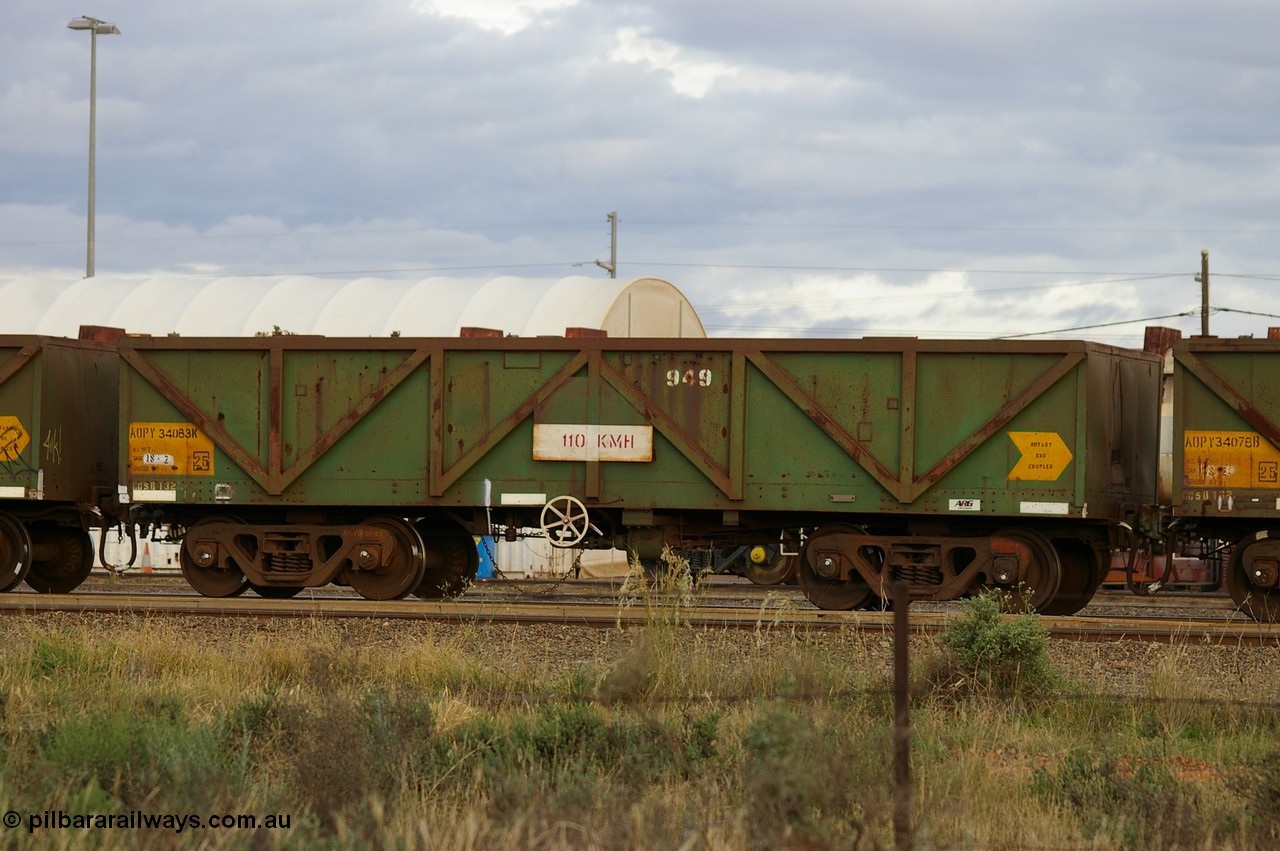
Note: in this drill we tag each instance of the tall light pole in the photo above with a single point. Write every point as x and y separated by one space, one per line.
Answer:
96 28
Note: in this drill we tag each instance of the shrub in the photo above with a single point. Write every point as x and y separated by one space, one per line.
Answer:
345 752
1257 782
986 651
633 678
62 658
806 784
1135 803
136 754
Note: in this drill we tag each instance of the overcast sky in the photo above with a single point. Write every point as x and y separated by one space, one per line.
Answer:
934 168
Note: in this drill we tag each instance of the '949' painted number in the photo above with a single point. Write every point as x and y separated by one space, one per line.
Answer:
701 378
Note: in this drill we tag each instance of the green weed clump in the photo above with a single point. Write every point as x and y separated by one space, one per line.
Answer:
336 754
1257 782
567 758
1139 803
806 785
984 651
133 753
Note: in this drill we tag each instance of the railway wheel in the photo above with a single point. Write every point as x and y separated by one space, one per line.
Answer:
400 570
1253 576
62 559
1081 576
1041 575
452 560
826 592
769 566
200 567
15 552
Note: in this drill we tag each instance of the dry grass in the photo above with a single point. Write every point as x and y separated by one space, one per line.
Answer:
384 735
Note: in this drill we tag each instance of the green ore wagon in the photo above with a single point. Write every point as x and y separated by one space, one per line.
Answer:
58 476
1226 459
290 461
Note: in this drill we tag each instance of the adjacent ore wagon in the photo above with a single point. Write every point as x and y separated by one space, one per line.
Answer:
58 474
288 461
1226 458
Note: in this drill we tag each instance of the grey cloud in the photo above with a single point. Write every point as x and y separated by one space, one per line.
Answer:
993 137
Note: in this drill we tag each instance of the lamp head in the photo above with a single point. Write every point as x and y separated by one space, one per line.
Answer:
99 27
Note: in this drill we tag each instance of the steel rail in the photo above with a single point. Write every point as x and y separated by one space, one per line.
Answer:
1235 632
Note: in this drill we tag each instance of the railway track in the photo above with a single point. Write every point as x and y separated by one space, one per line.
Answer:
715 589
597 604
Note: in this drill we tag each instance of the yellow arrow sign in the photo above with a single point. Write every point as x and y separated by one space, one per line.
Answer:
1044 456
13 438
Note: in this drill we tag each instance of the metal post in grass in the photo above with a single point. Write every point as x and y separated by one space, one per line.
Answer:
901 720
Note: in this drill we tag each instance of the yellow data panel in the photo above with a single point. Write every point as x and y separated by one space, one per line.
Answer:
1044 456
1229 459
13 438
169 449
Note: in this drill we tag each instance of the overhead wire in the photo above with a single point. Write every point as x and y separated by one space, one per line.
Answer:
363 272
684 223
299 233
1246 312
880 299
1109 277
948 228
1195 312
910 269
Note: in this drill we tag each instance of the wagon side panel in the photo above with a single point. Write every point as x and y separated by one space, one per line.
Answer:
78 424
1226 441
299 422
21 371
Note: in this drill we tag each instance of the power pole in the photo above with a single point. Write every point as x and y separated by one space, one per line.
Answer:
1203 279
612 266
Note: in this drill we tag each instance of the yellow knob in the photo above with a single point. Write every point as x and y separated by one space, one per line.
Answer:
759 555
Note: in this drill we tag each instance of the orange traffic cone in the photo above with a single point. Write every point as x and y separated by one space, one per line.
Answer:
146 557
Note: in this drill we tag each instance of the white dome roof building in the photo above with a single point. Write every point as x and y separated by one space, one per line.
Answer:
364 307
